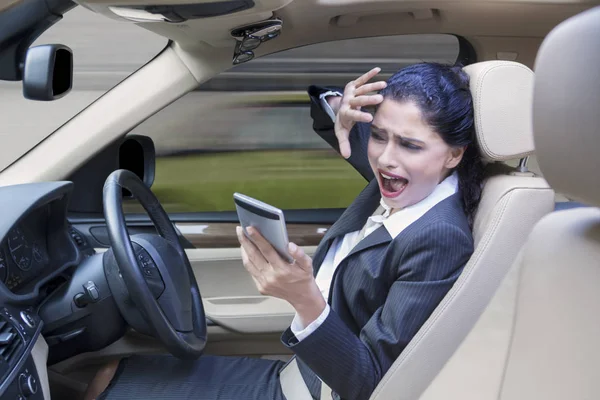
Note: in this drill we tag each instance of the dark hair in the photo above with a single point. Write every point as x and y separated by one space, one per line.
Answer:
442 94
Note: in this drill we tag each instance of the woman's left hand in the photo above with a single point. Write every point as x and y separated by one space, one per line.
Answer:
276 277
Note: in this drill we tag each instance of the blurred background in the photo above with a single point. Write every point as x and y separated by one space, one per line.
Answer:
247 130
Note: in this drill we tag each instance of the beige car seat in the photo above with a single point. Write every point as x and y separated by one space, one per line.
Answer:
512 202
540 337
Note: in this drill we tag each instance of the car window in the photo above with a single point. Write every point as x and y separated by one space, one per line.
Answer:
105 52
249 129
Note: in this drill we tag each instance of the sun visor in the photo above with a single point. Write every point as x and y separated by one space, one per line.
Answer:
177 13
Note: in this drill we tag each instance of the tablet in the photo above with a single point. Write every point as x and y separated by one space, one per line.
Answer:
268 220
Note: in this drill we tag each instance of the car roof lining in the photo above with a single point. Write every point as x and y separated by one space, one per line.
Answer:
314 20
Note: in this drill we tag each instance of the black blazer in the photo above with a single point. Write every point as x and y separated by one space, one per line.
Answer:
385 289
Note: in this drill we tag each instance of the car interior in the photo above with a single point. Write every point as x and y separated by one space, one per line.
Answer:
89 277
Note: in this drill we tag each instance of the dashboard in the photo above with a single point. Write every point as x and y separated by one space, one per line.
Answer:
24 252
37 251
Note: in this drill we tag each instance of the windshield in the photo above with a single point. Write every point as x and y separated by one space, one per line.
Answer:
104 53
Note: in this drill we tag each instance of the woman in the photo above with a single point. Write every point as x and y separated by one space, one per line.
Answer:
380 270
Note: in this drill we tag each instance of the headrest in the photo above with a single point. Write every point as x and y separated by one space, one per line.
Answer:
502 96
566 112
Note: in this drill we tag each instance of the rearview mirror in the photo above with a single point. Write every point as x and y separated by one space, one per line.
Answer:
48 72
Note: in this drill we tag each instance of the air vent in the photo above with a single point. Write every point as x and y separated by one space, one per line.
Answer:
11 343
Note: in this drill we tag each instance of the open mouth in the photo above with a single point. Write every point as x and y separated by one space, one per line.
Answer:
391 185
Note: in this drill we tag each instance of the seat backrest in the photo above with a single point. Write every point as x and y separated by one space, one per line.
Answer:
511 204
555 347
539 338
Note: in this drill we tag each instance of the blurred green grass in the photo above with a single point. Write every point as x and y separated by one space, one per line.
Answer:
288 179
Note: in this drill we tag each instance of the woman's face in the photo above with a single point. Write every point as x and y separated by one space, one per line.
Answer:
408 158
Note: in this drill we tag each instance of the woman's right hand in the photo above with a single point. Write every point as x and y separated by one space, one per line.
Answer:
356 95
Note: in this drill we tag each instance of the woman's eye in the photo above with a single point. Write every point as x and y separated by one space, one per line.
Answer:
376 136
411 146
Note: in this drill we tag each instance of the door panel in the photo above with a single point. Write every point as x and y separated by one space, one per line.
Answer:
230 297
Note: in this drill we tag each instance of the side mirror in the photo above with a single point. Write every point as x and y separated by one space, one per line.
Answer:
137 154
48 72
133 152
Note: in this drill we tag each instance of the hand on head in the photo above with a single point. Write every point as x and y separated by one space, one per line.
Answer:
356 95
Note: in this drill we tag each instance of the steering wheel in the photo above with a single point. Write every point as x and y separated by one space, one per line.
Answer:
155 270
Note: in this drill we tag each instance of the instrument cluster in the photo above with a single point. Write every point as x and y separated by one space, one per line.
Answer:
23 254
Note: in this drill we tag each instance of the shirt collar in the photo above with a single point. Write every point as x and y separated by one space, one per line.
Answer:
401 219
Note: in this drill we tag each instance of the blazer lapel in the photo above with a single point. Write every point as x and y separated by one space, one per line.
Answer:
353 219
379 236
357 213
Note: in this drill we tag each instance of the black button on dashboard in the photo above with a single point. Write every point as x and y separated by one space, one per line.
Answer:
92 291
27 319
20 326
28 384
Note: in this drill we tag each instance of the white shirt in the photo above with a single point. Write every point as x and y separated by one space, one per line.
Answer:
325 105
341 247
